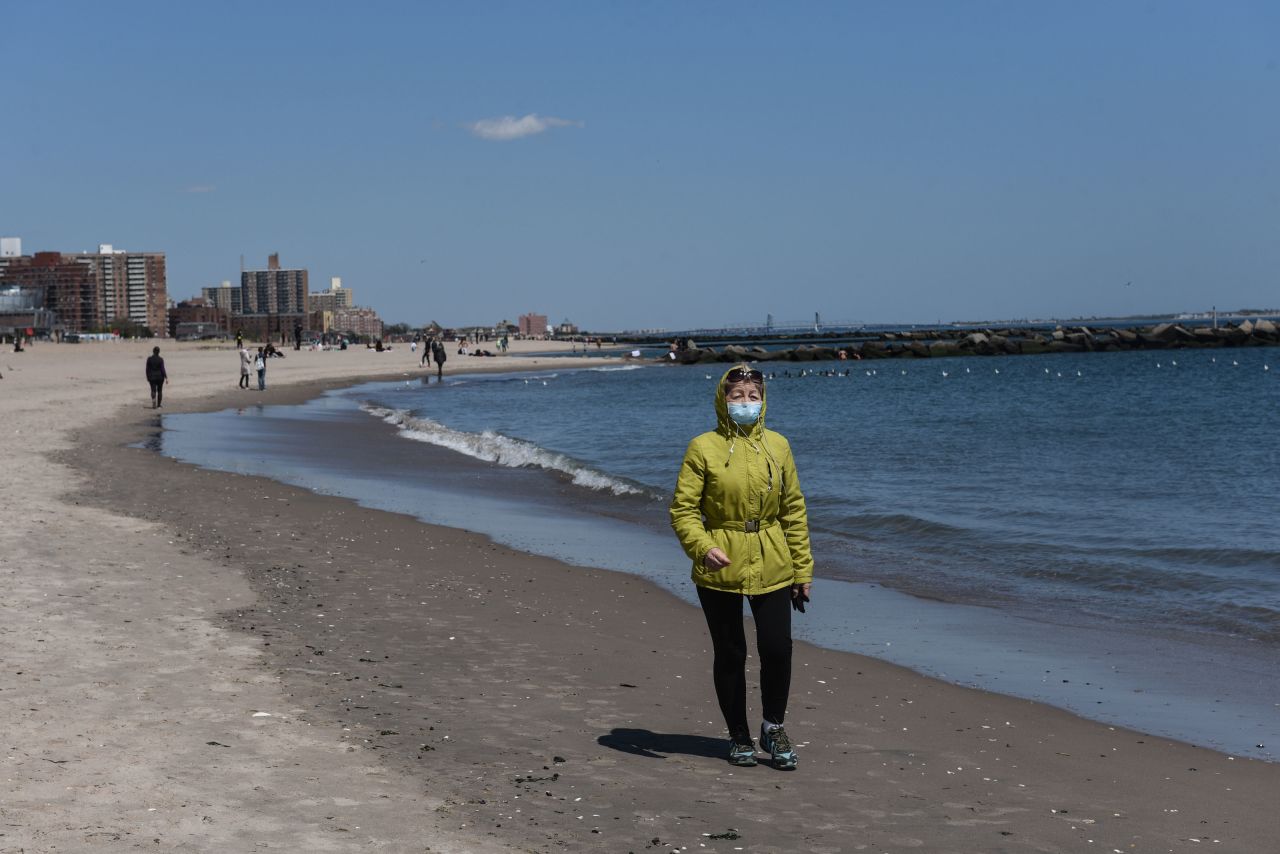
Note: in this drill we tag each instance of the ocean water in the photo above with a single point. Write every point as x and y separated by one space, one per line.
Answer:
1030 525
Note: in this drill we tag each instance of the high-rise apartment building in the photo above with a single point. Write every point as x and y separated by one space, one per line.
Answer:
64 287
333 298
94 290
273 290
127 281
224 297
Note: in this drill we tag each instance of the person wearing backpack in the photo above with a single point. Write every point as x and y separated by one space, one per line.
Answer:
260 365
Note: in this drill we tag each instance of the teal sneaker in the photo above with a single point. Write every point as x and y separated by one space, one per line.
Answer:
778 746
742 753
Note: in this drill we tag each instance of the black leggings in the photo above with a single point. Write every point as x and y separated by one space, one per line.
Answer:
157 390
772 615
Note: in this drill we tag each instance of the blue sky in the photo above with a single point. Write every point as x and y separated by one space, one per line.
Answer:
636 165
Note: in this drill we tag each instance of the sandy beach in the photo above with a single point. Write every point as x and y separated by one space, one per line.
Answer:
202 661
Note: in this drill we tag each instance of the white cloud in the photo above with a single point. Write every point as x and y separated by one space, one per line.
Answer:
201 188
506 128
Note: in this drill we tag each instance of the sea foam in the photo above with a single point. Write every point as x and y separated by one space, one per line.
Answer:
493 447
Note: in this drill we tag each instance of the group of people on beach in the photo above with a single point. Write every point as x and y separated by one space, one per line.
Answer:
157 375
258 363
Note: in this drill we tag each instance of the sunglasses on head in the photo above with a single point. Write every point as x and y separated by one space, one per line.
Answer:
738 375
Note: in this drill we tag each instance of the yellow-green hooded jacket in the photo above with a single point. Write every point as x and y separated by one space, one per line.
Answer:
733 479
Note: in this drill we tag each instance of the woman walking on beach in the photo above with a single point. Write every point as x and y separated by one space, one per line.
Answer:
739 514
439 354
156 377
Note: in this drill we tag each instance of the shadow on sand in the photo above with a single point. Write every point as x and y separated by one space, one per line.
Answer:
656 745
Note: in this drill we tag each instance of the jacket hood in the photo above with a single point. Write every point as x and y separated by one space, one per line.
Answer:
726 425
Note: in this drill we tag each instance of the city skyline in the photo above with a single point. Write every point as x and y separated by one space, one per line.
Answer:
667 166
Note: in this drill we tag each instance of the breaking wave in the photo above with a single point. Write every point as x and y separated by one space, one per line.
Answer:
495 448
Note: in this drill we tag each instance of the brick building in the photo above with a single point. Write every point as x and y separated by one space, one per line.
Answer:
273 290
533 325
332 298
277 327
229 299
197 318
93 290
361 321
271 303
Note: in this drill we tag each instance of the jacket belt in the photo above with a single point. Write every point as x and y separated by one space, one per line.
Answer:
748 527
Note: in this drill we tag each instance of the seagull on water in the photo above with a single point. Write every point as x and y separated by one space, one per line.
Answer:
945 374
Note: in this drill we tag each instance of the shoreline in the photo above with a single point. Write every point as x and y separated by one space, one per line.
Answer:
1104 672
515 660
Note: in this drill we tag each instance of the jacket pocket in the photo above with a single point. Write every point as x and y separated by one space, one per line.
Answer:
725 577
775 556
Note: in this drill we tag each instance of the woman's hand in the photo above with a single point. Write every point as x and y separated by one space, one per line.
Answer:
800 591
716 559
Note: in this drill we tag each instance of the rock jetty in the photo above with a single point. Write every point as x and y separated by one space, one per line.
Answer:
920 344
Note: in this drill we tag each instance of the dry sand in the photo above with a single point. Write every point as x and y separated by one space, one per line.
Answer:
199 661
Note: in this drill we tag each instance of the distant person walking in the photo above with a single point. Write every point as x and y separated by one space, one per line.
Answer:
239 339
427 346
260 365
156 377
741 517
438 354
245 361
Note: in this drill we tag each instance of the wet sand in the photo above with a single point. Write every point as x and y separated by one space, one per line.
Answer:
428 690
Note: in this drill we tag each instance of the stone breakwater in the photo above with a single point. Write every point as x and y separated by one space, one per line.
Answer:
1003 342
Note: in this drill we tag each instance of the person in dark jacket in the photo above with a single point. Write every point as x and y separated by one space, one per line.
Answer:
438 354
157 377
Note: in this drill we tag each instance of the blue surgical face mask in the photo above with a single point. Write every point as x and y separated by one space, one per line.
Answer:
745 413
